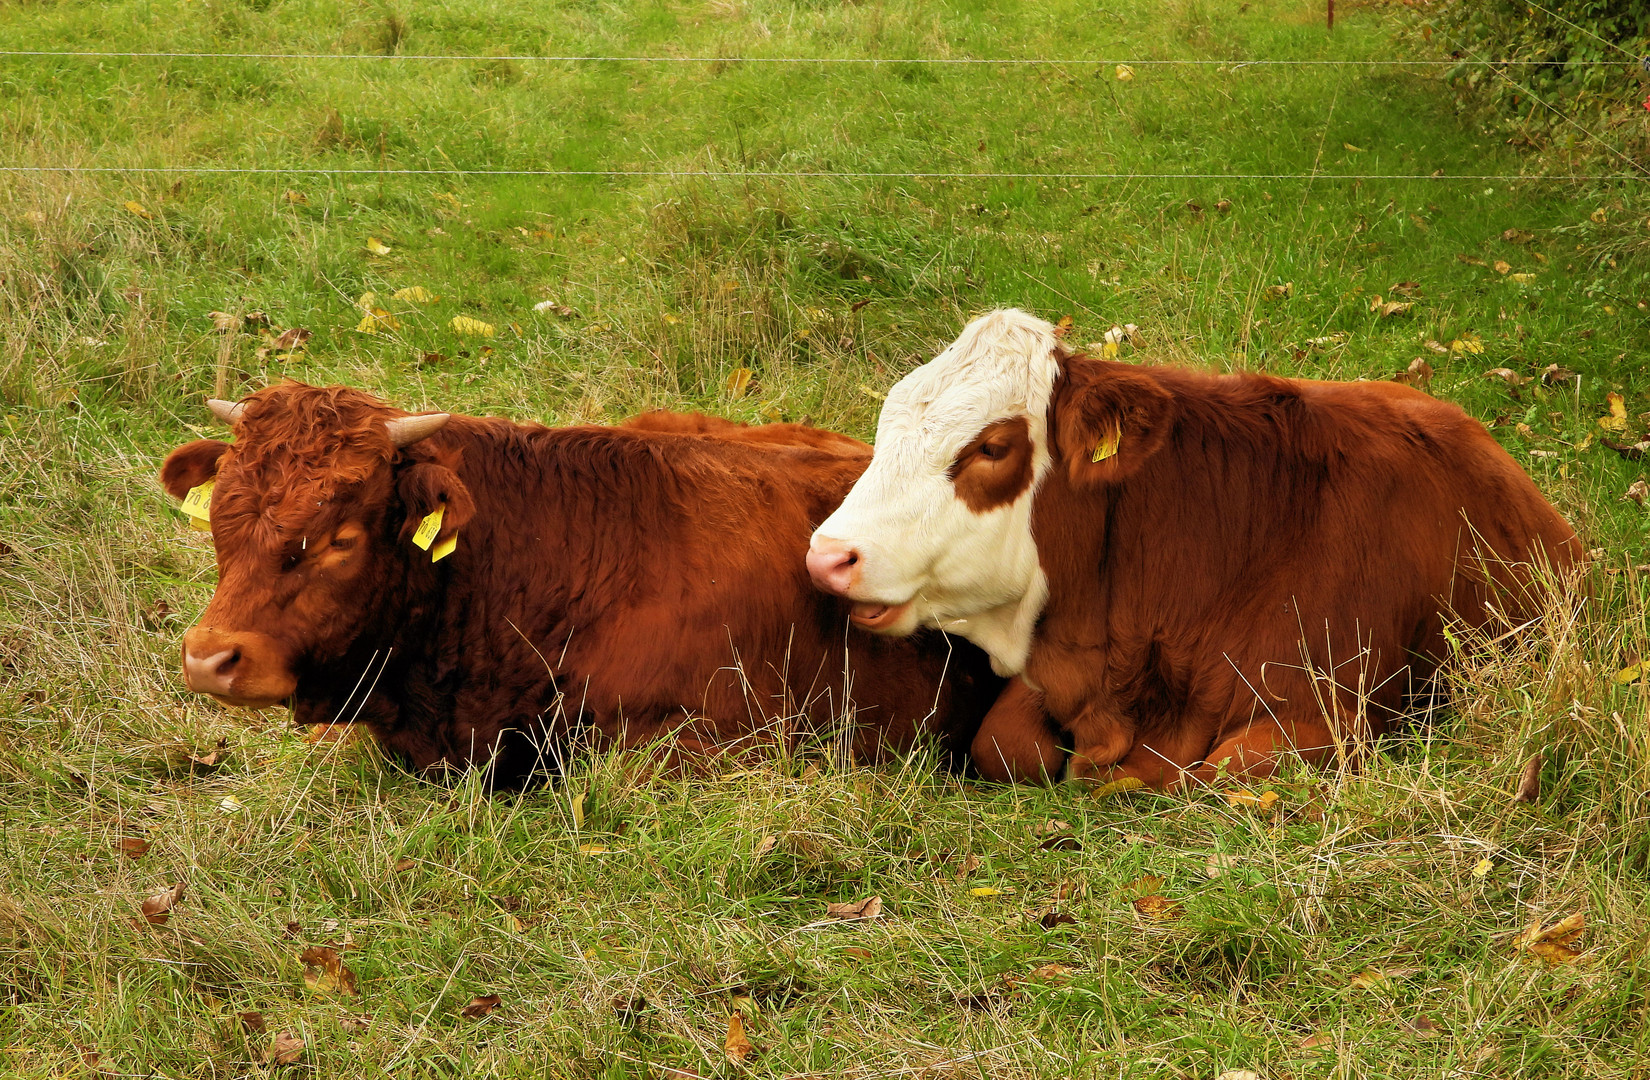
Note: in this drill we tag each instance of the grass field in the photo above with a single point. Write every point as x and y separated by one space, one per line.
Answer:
1360 926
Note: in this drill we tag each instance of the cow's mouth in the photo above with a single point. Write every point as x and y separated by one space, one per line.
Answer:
877 616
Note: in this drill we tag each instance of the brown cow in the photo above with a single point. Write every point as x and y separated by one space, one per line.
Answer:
618 583
1190 570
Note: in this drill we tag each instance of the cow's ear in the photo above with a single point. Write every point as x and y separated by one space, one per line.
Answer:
191 465
425 486
1106 419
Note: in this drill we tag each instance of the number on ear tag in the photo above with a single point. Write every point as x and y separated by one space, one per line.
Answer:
198 505
427 530
1107 446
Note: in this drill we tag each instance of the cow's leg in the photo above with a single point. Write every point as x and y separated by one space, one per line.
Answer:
1101 738
1258 750
1016 744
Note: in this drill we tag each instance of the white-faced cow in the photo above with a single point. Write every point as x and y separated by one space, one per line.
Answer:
1187 569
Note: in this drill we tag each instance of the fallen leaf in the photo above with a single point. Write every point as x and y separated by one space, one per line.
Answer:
971 862
1529 782
869 908
1436 346
1501 266
984 890
1467 343
554 308
857 953
1404 288
133 847
737 382
223 320
208 760
465 326
290 339
1637 491
1554 374
295 198
1553 944
1242 1074
1380 978
1418 374
137 208
479 1007
1597 217
376 246
1507 375
418 294
1219 864
402 865
1124 73
1064 326
325 973
285 1049
1119 787
1481 869
1388 308
1051 973
629 1010
158 908
1264 801
594 849
433 358
1423 1027
1517 236
1156 907
869 392
1280 292
251 1022
1054 919
229 804
1521 278
1145 885
765 845
1472 260
1616 421
736 1046
1316 1040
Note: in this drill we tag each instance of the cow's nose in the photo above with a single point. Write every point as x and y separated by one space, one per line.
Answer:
833 565
211 674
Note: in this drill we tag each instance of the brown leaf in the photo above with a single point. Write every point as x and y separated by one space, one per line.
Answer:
208 760
1637 491
736 1046
765 845
294 929
224 321
1156 907
158 908
1423 1027
289 339
325 973
1629 453
1051 973
1501 266
857 953
285 1048
970 863
1472 260
1264 801
1145 885
251 1022
1061 842
1405 288
869 908
1418 374
1385 309
1507 375
857 304
479 1007
1054 919
1223 206
133 847
1563 931
1529 783
1436 346
1517 236
629 1010
403 864
1380 978
1316 1040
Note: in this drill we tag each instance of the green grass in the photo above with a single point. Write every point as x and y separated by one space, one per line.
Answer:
823 287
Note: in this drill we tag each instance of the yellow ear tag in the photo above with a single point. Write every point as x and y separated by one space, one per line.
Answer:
426 533
1108 445
198 505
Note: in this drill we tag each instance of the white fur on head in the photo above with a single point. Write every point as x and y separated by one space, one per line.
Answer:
972 573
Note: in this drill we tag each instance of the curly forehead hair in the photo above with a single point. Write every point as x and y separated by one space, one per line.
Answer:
322 438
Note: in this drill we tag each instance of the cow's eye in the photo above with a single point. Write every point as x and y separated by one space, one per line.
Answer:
289 563
993 451
343 543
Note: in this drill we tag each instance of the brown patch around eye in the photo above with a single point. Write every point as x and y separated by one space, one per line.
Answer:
994 469
341 546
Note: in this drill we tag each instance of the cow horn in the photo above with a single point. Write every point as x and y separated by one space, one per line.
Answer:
406 430
227 411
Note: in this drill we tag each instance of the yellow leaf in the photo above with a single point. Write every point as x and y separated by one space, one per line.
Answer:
737 382
1124 73
984 890
366 302
296 198
1354 149
1118 787
137 208
1263 801
1467 343
376 246
1629 674
418 294
575 806
1598 217
1522 279
868 392
1482 868
468 327
736 1046
1501 266
1145 885
367 325
594 849
1157 907
1280 292
1616 422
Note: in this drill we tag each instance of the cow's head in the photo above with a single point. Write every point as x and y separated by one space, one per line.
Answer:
938 531
311 511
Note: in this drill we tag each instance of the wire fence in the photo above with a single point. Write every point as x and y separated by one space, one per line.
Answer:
1462 58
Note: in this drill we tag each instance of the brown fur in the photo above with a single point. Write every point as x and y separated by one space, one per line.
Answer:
620 582
1264 564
